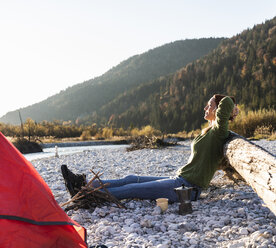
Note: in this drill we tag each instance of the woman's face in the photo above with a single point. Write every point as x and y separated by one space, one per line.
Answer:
210 110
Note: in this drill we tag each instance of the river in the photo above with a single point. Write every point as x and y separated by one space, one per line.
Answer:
51 151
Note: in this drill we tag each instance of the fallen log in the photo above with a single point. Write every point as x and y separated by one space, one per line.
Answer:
256 166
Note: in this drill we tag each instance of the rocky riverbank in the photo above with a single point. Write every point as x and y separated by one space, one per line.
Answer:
226 215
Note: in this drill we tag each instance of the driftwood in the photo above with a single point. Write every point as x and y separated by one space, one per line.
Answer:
256 165
90 197
25 146
152 142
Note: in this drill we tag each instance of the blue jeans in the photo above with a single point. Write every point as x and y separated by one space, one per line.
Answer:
148 187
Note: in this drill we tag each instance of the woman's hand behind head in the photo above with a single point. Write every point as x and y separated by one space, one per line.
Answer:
234 113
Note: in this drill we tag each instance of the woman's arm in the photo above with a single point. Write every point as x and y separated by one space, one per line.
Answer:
223 113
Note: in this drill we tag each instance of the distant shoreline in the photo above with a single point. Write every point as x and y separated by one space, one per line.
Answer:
85 143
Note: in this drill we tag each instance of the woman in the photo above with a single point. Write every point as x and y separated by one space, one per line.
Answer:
207 151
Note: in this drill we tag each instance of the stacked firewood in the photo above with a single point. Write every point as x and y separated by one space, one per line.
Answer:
90 197
150 142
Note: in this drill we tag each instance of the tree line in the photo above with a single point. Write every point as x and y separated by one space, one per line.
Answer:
251 124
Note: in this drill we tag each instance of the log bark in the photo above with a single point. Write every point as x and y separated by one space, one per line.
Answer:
256 165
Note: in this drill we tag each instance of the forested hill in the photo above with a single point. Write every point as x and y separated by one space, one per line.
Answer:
82 102
243 66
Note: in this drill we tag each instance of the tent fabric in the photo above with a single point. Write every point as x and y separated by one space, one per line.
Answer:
29 213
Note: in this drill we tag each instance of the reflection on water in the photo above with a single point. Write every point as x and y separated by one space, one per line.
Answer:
50 152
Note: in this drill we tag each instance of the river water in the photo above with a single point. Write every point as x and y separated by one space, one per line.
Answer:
51 152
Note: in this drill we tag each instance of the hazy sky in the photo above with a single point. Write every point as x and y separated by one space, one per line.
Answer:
49 45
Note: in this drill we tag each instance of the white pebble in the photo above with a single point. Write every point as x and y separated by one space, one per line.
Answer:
225 228
241 211
157 211
193 241
237 245
128 222
135 225
172 227
243 231
162 246
127 229
145 223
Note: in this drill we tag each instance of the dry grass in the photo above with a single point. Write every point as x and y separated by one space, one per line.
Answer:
255 124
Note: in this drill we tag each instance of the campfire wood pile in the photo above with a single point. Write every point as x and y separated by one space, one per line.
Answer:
90 197
142 142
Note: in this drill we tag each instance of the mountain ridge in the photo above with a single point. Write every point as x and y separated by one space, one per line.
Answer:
84 99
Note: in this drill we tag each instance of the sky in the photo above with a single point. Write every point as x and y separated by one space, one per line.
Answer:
48 46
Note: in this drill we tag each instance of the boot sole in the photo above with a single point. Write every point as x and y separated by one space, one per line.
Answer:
68 184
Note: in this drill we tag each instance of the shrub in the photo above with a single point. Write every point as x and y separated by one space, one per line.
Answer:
85 135
149 131
272 136
134 132
107 132
263 132
248 121
120 132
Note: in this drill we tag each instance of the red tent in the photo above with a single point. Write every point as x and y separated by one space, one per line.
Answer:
29 213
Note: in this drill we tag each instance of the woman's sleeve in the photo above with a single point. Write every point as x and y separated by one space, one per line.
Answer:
223 113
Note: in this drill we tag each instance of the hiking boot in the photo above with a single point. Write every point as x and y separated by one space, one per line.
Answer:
73 182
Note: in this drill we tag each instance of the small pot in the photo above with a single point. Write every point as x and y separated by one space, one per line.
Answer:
184 196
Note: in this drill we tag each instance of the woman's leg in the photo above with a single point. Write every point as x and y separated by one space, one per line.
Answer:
149 190
128 180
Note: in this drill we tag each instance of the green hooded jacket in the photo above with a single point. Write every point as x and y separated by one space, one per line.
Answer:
207 149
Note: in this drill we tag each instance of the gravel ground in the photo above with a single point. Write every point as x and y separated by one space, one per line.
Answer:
226 215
